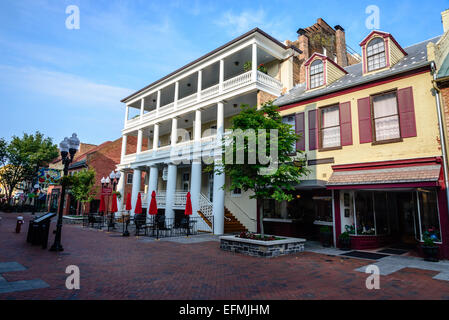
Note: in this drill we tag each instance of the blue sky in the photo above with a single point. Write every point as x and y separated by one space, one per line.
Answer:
61 81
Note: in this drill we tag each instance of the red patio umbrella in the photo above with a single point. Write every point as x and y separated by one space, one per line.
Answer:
153 204
102 206
188 210
114 203
138 209
128 202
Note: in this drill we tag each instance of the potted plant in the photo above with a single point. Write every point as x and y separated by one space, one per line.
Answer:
326 236
345 241
429 248
247 66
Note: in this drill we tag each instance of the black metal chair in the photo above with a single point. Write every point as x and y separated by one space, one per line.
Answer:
140 221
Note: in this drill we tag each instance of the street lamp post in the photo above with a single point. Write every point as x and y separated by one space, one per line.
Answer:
68 147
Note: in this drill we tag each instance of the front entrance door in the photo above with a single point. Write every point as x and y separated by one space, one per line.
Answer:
407 217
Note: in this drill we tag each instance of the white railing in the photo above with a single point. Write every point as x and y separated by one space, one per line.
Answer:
132 121
167 108
149 115
269 81
211 91
187 100
129 158
238 81
208 93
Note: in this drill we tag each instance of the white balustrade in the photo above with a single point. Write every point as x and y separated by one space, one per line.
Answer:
187 100
149 115
167 109
238 81
208 92
269 81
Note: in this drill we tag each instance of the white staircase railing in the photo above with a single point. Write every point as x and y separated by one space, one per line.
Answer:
206 208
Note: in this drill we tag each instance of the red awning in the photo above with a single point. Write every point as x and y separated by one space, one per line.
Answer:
403 176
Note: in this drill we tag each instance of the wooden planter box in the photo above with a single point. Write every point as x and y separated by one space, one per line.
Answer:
259 248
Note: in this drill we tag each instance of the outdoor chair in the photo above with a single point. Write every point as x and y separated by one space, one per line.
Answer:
140 223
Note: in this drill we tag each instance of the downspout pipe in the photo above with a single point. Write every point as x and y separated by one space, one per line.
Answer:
441 126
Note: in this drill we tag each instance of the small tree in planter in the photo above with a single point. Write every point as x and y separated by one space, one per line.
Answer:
82 186
247 175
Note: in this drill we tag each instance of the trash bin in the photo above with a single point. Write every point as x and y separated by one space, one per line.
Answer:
38 230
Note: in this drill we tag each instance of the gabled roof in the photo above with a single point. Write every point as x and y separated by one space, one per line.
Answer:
263 33
322 56
416 58
384 35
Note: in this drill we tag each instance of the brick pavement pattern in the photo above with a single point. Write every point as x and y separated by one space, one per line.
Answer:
113 267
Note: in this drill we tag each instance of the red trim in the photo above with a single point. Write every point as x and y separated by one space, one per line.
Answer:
358 88
363 58
323 58
387 52
444 222
337 218
384 35
387 164
384 185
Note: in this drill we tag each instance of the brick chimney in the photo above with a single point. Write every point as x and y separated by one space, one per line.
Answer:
303 45
340 46
445 20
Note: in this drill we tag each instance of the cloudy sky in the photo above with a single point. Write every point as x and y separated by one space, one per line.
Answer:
61 81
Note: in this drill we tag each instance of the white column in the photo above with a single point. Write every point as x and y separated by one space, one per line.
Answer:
200 83
121 189
136 188
219 179
221 75
139 141
126 114
170 192
152 183
124 141
158 102
142 108
220 118
195 188
156 137
176 93
218 200
254 62
174 133
197 128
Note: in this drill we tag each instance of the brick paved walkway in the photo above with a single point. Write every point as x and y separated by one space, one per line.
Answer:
113 267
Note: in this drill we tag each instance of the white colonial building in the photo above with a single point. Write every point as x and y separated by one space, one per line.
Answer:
200 98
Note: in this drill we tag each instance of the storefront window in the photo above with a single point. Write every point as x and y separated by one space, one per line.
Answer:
381 201
364 213
428 207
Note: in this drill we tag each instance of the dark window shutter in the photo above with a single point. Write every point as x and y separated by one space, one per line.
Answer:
365 130
300 130
313 130
345 124
406 112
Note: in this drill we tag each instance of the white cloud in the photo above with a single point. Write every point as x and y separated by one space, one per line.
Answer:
238 23
243 21
71 88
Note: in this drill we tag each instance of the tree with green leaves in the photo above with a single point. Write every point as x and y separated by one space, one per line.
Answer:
21 158
266 123
82 186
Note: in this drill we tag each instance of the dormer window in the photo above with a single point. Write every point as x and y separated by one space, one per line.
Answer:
376 54
316 74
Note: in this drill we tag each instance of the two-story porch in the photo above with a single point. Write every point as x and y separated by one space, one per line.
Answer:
183 116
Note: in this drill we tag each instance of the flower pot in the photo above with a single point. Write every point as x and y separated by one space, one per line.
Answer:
431 253
345 243
326 238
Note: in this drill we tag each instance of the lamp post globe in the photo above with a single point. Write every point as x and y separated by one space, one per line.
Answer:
67 146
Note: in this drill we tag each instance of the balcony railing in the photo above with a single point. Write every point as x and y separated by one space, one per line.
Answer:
213 91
